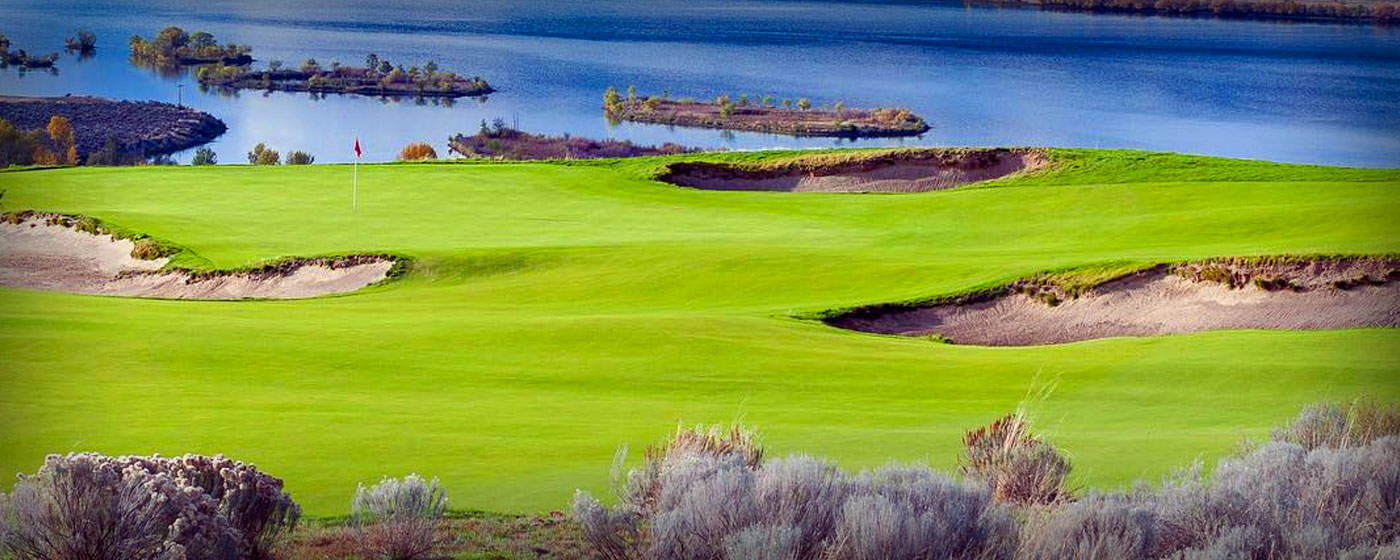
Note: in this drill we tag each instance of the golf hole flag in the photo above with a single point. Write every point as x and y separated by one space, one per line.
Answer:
355 183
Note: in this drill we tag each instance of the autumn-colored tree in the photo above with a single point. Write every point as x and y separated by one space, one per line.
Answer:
65 146
419 151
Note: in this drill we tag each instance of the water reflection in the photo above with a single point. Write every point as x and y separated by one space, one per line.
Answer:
1321 93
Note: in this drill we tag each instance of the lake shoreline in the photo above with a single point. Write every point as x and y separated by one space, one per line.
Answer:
138 128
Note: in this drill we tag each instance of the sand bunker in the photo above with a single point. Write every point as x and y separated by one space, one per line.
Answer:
906 171
43 252
1213 295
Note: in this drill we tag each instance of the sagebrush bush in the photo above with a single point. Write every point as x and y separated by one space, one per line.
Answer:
1018 465
90 507
707 493
253 502
417 151
1335 425
1279 501
398 519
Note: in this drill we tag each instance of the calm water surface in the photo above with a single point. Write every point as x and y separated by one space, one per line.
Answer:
1301 92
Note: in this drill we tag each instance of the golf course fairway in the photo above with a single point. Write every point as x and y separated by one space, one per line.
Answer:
555 311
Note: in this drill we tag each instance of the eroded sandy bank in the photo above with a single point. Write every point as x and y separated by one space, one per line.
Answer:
905 171
45 252
1211 295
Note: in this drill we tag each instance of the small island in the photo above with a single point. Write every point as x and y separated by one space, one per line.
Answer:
117 130
23 59
83 42
172 47
763 115
501 142
377 77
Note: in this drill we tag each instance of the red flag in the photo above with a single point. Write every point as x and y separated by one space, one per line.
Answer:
357 147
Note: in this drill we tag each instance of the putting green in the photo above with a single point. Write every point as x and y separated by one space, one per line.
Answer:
556 311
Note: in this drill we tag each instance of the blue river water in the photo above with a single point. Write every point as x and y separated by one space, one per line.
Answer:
1288 91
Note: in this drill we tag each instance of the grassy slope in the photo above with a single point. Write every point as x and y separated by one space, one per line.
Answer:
560 310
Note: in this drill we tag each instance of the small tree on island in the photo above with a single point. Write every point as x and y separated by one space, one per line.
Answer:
612 102
83 41
804 104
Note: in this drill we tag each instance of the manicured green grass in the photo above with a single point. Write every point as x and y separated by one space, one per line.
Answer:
557 311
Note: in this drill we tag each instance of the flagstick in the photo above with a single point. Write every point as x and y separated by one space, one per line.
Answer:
355 190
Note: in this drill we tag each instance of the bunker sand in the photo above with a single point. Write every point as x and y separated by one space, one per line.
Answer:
899 171
1304 295
38 254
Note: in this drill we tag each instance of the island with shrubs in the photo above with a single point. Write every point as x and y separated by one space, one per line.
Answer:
22 58
376 77
498 141
172 47
82 42
763 114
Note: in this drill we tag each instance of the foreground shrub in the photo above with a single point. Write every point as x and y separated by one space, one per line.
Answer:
1279 501
253 502
707 493
397 519
90 507
417 151
1019 466
1334 425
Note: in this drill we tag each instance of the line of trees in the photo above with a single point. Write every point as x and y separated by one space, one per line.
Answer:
53 145
263 155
